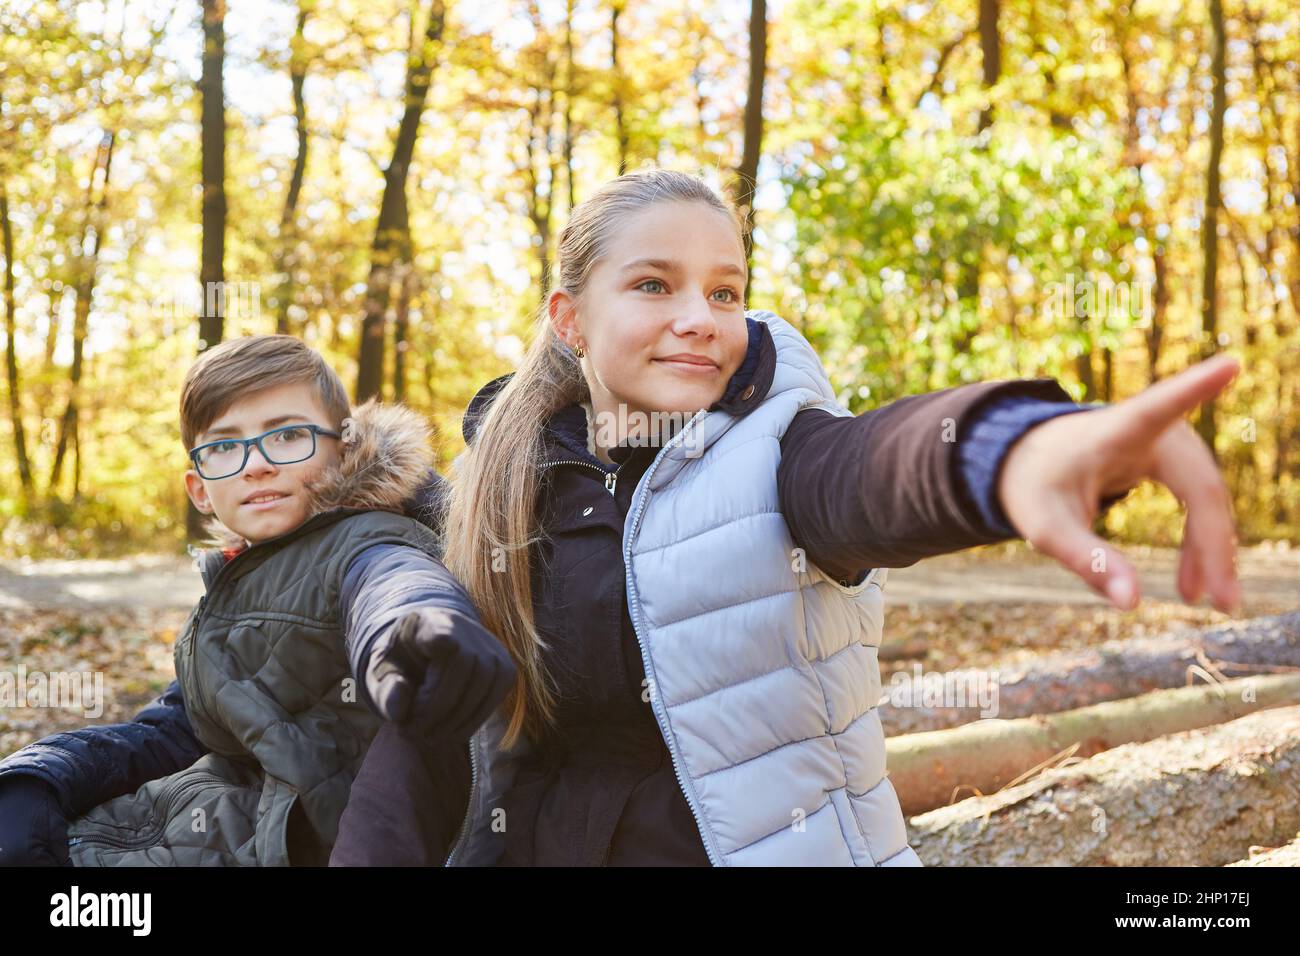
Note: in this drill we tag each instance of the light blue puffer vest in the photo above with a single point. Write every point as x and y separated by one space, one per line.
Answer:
763 670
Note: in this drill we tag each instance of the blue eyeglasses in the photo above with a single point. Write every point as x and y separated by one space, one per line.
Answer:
280 446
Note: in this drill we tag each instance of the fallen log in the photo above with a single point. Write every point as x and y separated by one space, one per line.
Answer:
1112 671
1286 855
930 769
1198 798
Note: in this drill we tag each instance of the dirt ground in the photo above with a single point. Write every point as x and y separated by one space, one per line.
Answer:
1005 604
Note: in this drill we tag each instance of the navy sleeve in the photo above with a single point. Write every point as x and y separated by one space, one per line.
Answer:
89 766
382 585
995 428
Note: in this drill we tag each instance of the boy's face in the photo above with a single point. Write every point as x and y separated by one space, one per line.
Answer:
264 500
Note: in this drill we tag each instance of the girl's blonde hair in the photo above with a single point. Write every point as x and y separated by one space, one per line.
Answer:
491 519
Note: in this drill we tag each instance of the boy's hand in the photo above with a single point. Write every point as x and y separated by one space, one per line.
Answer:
441 675
33 830
1055 476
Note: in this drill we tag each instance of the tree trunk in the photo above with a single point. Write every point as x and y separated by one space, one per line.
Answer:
541 116
747 173
568 102
1127 667
991 48
52 332
92 232
11 353
928 769
1083 362
1154 333
212 146
76 457
212 137
616 78
1205 423
286 254
401 331
1275 187
883 91
1201 798
390 234
1159 304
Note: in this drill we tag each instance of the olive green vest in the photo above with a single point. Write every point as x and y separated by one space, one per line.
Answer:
269 692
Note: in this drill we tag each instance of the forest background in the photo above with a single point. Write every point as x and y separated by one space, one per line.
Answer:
1098 192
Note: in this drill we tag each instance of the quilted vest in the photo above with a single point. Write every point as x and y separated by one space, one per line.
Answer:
762 670
269 692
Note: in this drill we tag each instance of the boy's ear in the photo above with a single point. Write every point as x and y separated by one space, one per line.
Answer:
197 492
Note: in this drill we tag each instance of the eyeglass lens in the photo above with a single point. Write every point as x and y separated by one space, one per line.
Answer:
282 447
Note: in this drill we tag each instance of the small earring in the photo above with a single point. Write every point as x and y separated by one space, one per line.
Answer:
580 351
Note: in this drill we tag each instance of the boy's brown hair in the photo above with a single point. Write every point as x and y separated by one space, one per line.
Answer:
239 367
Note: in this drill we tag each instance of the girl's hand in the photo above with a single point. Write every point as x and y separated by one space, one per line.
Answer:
1055 476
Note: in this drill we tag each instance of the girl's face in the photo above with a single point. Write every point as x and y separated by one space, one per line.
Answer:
662 319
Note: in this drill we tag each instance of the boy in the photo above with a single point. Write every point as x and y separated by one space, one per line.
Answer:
327 613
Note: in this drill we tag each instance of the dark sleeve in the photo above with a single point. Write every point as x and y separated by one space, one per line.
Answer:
885 488
89 766
381 586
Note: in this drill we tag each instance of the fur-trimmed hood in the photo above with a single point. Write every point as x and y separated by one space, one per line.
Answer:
386 465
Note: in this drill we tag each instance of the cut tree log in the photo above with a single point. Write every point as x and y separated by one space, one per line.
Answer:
1112 671
930 769
1287 855
1199 798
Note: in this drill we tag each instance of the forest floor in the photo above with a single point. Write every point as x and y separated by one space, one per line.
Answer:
1002 604
1000 607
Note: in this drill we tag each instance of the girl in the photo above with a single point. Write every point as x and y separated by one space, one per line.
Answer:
681 537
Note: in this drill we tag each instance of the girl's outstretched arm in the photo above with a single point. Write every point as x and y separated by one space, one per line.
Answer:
909 480
940 472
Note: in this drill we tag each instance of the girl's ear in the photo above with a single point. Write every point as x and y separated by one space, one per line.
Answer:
349 432
563 313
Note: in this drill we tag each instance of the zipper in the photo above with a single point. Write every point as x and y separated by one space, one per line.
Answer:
463 834
634 606
193 630
611 477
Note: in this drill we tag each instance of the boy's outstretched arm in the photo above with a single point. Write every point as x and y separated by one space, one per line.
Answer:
86 767
910 480
421 657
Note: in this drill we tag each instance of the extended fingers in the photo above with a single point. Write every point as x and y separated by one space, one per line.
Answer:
1158 406
1100 566
1185 465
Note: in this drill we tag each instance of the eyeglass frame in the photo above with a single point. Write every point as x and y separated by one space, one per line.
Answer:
248 444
